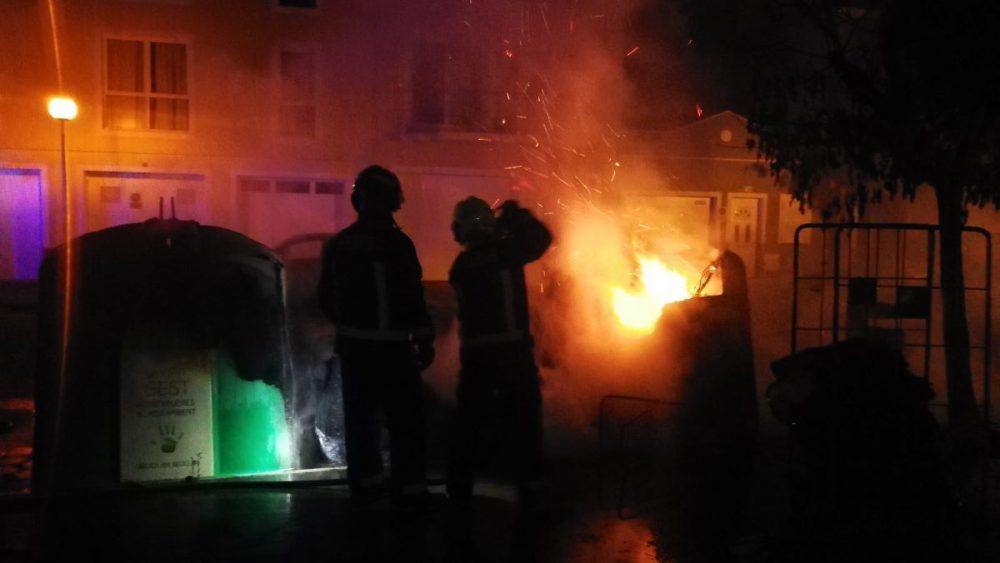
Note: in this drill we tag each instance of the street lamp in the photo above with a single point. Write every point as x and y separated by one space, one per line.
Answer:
64 109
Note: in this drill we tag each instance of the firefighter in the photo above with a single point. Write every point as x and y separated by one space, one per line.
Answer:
498 391
370 289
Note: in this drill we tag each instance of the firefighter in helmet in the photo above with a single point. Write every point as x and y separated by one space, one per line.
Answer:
498 393
370 289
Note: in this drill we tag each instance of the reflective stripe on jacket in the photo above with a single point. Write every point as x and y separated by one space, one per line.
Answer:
370 284
488 279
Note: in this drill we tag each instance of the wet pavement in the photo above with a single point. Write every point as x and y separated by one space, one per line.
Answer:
16 427
297 516
267 523
308 516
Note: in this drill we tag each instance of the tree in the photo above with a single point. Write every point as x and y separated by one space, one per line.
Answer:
892 95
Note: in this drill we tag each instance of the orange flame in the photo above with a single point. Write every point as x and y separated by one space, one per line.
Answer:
638 310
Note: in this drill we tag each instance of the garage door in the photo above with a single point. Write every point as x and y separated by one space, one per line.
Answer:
691 216
426 216
21 228
118 198
273 210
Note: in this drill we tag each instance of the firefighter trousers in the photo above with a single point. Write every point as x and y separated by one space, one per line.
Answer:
498 422
383 377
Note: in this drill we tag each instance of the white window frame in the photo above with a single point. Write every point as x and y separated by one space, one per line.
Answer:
147 93
448 126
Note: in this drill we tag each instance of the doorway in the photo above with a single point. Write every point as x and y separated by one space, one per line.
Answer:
744 232
21 224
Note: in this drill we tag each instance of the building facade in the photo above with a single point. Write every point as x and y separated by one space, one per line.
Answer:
256 114
252 115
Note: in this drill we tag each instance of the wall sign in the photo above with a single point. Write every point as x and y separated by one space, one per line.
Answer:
165 406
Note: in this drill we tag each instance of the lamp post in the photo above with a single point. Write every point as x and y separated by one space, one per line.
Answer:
64 109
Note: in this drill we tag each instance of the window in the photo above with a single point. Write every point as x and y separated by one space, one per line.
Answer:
262 184
297 109
111 194
291 187
330 188
254 185
428 84
146 86
454 88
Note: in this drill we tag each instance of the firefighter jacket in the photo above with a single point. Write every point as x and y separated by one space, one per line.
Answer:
488 279
370 284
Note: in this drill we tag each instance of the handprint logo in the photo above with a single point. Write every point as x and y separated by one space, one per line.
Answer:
168 439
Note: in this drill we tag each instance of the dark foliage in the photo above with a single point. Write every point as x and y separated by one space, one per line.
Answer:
884 94
858 100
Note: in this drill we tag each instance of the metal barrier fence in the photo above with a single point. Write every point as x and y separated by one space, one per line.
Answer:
631 432
880 279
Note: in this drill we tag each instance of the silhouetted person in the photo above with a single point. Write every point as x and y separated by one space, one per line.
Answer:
370 289
498 387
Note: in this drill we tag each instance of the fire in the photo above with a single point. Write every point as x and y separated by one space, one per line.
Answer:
638 310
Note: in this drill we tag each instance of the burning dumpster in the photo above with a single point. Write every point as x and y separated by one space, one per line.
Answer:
162 355
718 420
694 440
719 393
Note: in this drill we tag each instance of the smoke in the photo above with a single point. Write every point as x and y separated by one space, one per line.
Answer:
579 170
587 353
441 375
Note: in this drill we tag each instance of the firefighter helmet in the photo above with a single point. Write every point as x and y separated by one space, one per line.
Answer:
472 216
377 189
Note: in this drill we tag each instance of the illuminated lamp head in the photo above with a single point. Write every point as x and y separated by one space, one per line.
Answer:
62 108
473 220
377 191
